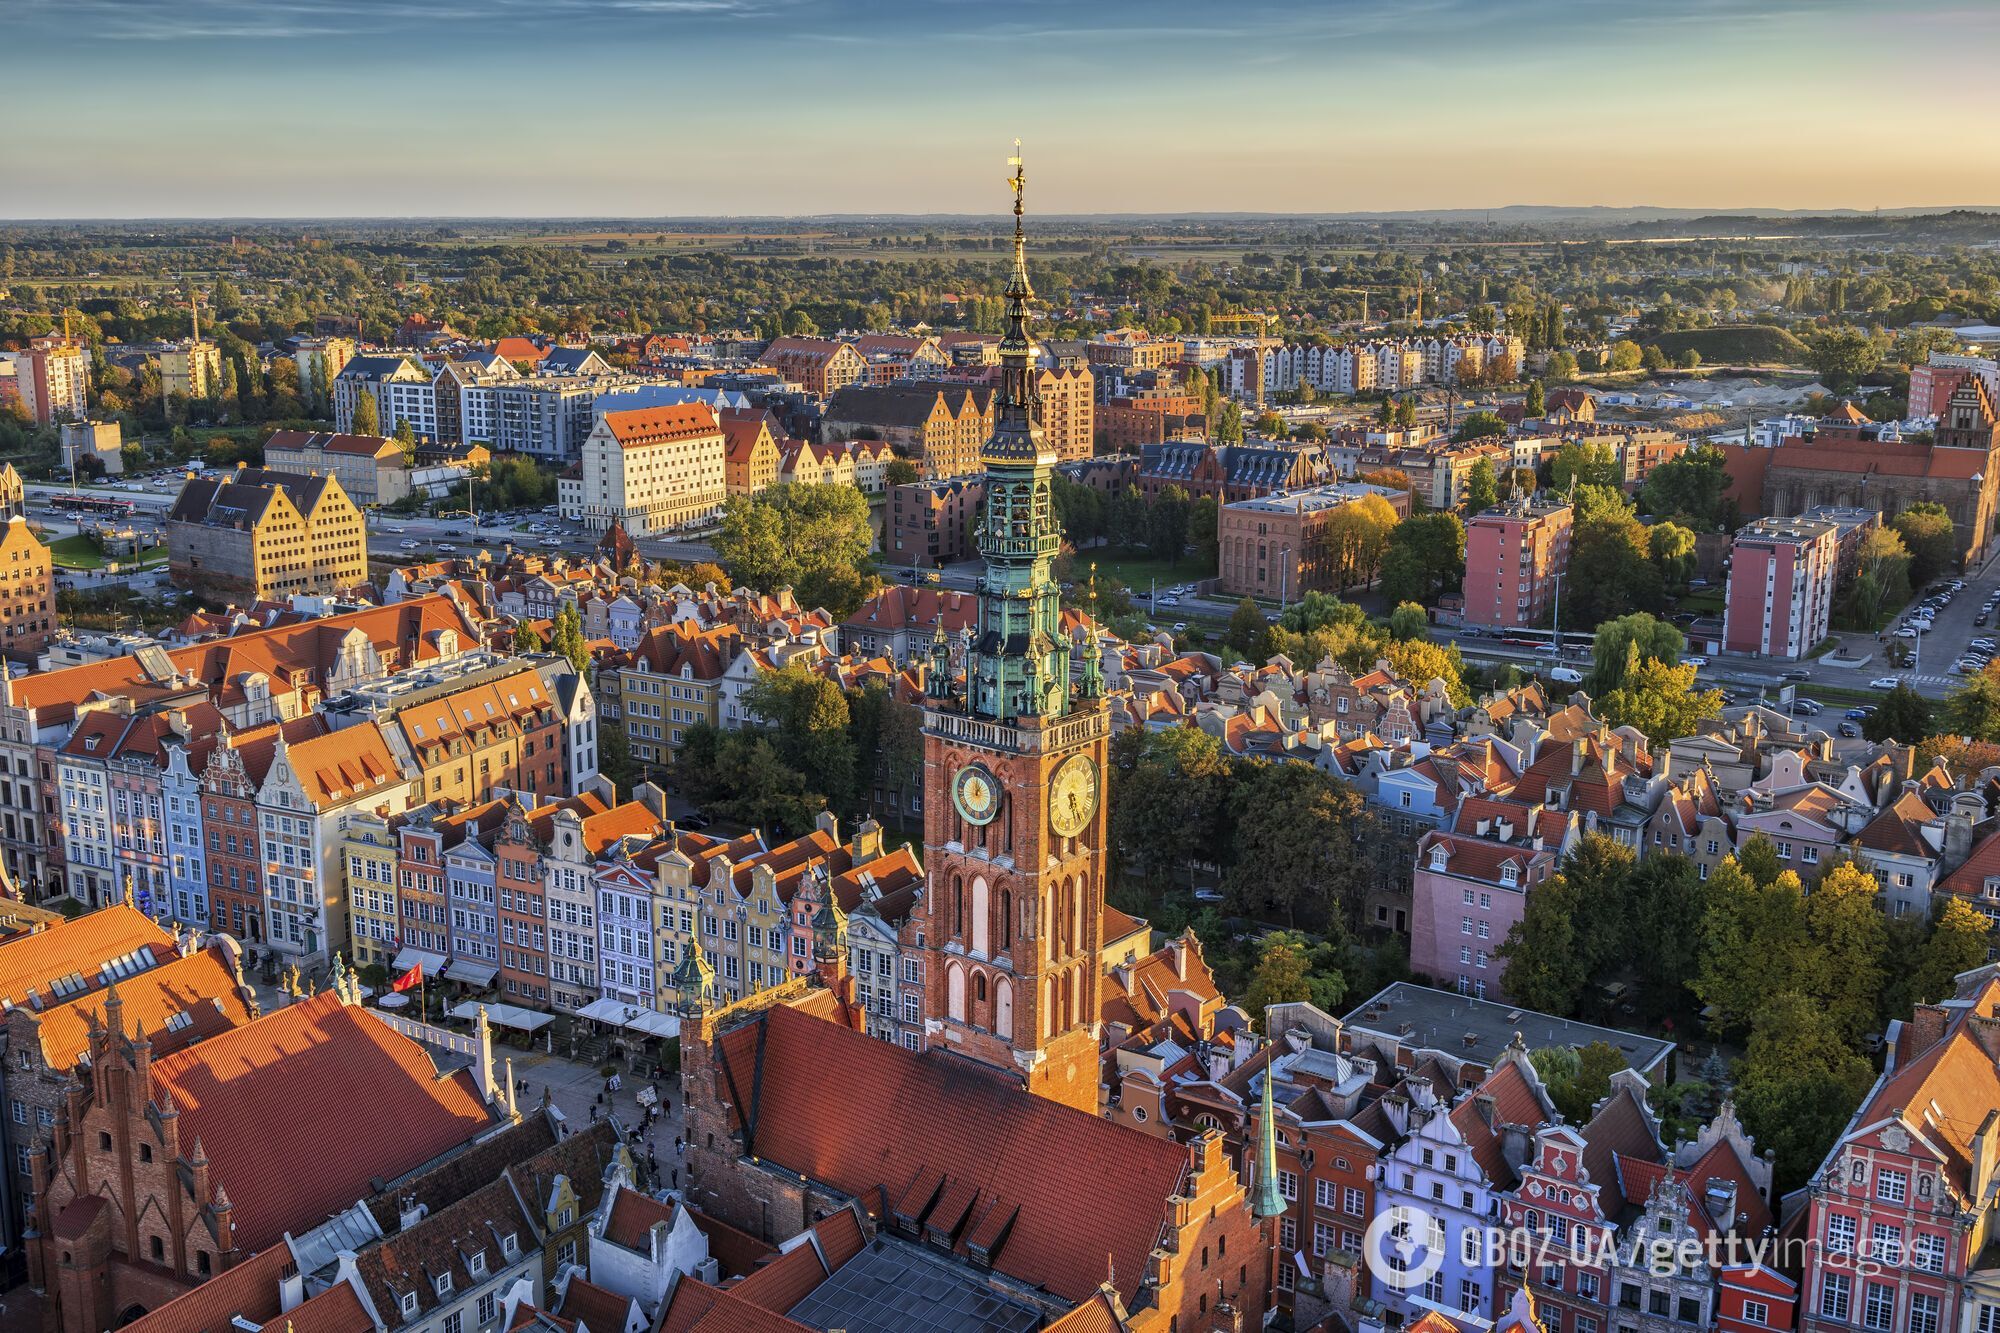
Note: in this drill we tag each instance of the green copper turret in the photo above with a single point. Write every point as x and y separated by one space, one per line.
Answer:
1019 663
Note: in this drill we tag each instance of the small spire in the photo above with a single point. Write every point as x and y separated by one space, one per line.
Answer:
1267 1202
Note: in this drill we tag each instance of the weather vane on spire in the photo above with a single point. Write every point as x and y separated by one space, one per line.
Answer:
1019 179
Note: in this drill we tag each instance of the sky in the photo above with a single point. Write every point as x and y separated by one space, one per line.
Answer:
666 108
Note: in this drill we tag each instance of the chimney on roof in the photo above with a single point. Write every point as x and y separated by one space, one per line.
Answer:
1577 750
1180 955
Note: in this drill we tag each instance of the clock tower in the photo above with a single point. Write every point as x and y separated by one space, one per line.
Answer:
1014 768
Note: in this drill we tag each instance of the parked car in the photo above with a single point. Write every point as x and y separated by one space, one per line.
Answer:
1884 683
411 545
1796 674
1566 675
1856 714
1808 707
1849 730
1694 661
1906 633
1208 896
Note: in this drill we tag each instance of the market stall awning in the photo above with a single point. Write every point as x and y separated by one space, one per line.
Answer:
471 973
506 1015
624 1014
432 963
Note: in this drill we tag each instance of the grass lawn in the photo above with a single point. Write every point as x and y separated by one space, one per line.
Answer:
77 553
1137 569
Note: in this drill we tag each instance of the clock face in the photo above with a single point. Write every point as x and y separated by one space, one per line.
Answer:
976 794
1073 795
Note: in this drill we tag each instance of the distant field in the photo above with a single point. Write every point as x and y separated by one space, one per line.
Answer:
1736 344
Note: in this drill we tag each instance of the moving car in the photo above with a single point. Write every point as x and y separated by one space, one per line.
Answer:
1796 675
1856 714
1808 707
1884 683
411 545
1694 661
1849 730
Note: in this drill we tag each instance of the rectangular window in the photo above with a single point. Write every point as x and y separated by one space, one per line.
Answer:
1878 1305
1836 1295
1756 1312
1923 1313
1891 1186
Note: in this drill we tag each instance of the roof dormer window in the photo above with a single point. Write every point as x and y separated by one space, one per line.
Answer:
1439 857
444 1284
1510 875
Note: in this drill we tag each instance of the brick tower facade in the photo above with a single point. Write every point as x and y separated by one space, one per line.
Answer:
1014 768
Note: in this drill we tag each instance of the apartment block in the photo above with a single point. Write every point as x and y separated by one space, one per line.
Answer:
1515 555
1283 546
1779 601
651 470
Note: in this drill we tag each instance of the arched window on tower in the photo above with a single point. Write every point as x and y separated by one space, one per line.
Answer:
1006 920
979 989
982 921
958 907
954 992
1003 1009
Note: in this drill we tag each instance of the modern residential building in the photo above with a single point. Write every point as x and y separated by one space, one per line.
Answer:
257 535
191 370
1779 600
651 471
53 378
402 389
1284 546
1515 556
317 358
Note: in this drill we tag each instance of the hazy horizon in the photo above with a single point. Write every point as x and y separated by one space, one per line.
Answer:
679 109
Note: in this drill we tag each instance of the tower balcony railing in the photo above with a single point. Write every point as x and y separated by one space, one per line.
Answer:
1045 547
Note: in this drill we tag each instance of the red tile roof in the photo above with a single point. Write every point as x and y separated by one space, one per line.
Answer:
271 1104
963 1130
251 1289
633 1217
1898 829
31 962
1513 1101
697 1307
656 425
175 1004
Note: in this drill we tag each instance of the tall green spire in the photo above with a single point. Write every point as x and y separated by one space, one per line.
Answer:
1019 664
1267 1201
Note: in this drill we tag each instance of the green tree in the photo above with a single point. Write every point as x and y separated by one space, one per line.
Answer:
1482 488
1545 969
1663 929
812 538
1408 621
1881 576
1611 570
1424 558
1903 715
1849 932
1754 941
1169 795
1226 425
1973 710
1283 976
1167 525
1356 536
525 638
1478 426
1250 633
1299 836
1587 463
1797 1084
1625 355
900 472
1931 538
1672 548
367 418
1690 489
1957 942
1562 365
1204 518
1421 661
569 640
1841 355
614 757
809 720
1652 358
1538 399
1659 699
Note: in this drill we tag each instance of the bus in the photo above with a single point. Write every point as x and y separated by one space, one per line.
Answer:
100 505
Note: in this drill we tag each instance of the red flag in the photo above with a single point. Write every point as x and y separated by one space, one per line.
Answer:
409 980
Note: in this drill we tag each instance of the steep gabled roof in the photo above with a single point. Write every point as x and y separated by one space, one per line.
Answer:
33 962
275 1104
1018 1163
176 1004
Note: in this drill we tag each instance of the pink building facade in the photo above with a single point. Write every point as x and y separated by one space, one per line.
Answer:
1471 886
1781 579
1515 554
